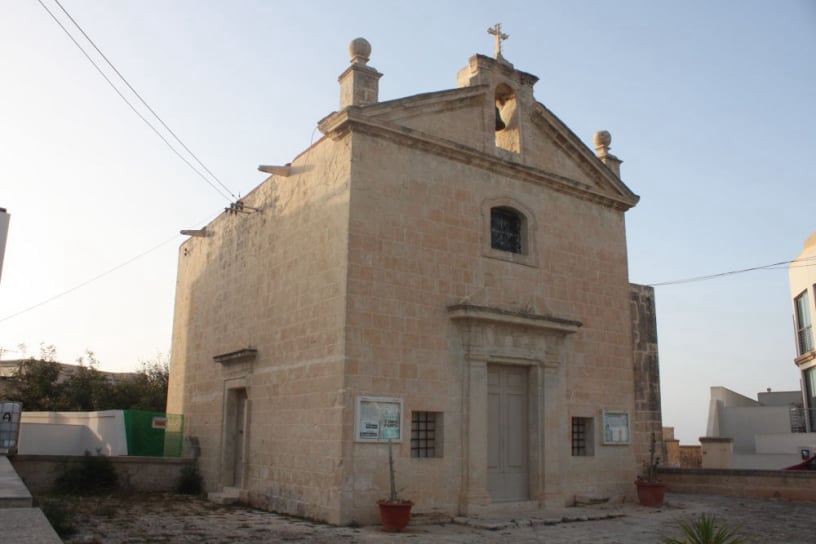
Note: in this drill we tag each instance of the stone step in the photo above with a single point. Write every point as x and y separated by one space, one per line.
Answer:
13 492
227 495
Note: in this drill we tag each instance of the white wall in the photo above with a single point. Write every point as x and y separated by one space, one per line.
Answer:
743 423
73 433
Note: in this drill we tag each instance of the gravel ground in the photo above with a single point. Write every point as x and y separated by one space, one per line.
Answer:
165 519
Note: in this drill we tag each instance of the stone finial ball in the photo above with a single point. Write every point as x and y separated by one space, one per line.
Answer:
359 50
602 138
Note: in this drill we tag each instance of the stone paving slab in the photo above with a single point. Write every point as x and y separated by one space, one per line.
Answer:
171 520
26 526
13 493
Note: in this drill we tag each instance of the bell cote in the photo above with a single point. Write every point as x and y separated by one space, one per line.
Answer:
512 94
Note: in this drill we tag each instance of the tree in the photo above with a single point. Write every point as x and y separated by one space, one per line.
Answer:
148 389
38 385
86 389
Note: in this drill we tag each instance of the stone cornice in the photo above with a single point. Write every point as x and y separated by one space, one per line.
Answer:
510 317
591 165
338 124
242 355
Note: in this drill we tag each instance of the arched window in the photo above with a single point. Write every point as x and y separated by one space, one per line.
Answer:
506 229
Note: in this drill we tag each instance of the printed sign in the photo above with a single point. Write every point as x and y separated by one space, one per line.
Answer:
615 427
379 419
159 423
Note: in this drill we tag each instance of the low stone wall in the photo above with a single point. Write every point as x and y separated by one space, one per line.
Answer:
149 474
758 484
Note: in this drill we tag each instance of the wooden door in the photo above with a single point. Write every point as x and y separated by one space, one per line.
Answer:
507 459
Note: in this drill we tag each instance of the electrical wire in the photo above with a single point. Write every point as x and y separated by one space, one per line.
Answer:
99 276
142 100
91 280
772 266
133 108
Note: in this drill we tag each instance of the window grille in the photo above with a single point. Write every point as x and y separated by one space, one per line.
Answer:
424 434
582 437
505 230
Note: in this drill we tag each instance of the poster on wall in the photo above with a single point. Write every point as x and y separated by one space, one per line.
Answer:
615 427
379 419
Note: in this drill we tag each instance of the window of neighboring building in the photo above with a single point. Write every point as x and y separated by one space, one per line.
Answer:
506 232
810 392
583 433
426 434
804 328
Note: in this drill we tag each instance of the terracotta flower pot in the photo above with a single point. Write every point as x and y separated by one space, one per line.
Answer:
650 493
395 515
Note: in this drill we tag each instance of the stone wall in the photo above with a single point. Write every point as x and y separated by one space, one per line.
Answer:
648 416
270 279
142 474
758 484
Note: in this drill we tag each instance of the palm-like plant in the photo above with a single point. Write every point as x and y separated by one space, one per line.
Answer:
705 531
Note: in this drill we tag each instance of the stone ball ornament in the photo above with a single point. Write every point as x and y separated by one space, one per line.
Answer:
359 51
602 138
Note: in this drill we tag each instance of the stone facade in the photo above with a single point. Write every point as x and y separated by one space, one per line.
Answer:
371 267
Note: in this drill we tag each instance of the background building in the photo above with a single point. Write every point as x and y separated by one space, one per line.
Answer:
802 272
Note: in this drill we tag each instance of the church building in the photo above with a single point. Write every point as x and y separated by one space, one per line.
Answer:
446 272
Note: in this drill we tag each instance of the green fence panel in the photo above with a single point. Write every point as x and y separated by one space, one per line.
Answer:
145 432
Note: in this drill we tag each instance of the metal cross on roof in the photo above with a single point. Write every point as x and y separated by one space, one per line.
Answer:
495 30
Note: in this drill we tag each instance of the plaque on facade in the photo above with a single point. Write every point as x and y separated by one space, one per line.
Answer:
378 419
615 427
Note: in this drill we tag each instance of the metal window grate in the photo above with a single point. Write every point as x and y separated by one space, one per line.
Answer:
579 436
505 230
423 434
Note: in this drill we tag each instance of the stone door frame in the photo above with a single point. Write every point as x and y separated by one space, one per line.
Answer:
542 343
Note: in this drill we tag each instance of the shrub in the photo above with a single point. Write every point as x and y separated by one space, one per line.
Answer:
189 482
93 475
705 531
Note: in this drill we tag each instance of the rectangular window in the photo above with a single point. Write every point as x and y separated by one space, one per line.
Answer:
426 434
583 434
804 327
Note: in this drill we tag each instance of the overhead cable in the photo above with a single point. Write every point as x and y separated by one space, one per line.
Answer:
772 266
134 109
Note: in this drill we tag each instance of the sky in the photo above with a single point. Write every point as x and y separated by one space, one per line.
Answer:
710 105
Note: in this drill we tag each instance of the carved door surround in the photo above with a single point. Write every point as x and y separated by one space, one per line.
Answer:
541 343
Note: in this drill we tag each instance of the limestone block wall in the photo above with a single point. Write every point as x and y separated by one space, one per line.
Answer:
140 474
417 244
272 280
757 484
648 414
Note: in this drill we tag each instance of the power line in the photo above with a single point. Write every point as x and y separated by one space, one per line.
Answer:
91 280
772 266
133 108
99 276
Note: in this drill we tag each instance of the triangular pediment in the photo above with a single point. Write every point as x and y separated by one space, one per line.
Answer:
462 121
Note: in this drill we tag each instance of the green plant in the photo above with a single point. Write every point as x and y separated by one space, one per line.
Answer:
189 481
705 531
393 496
92 475
650 469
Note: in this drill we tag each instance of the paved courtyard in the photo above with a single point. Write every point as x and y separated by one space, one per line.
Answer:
160 519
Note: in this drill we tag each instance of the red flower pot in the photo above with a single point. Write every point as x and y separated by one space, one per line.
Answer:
395 515
650 493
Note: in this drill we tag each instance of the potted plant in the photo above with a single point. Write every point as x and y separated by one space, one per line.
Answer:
395 513
650 491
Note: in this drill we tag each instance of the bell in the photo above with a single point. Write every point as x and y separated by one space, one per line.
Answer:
499 123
